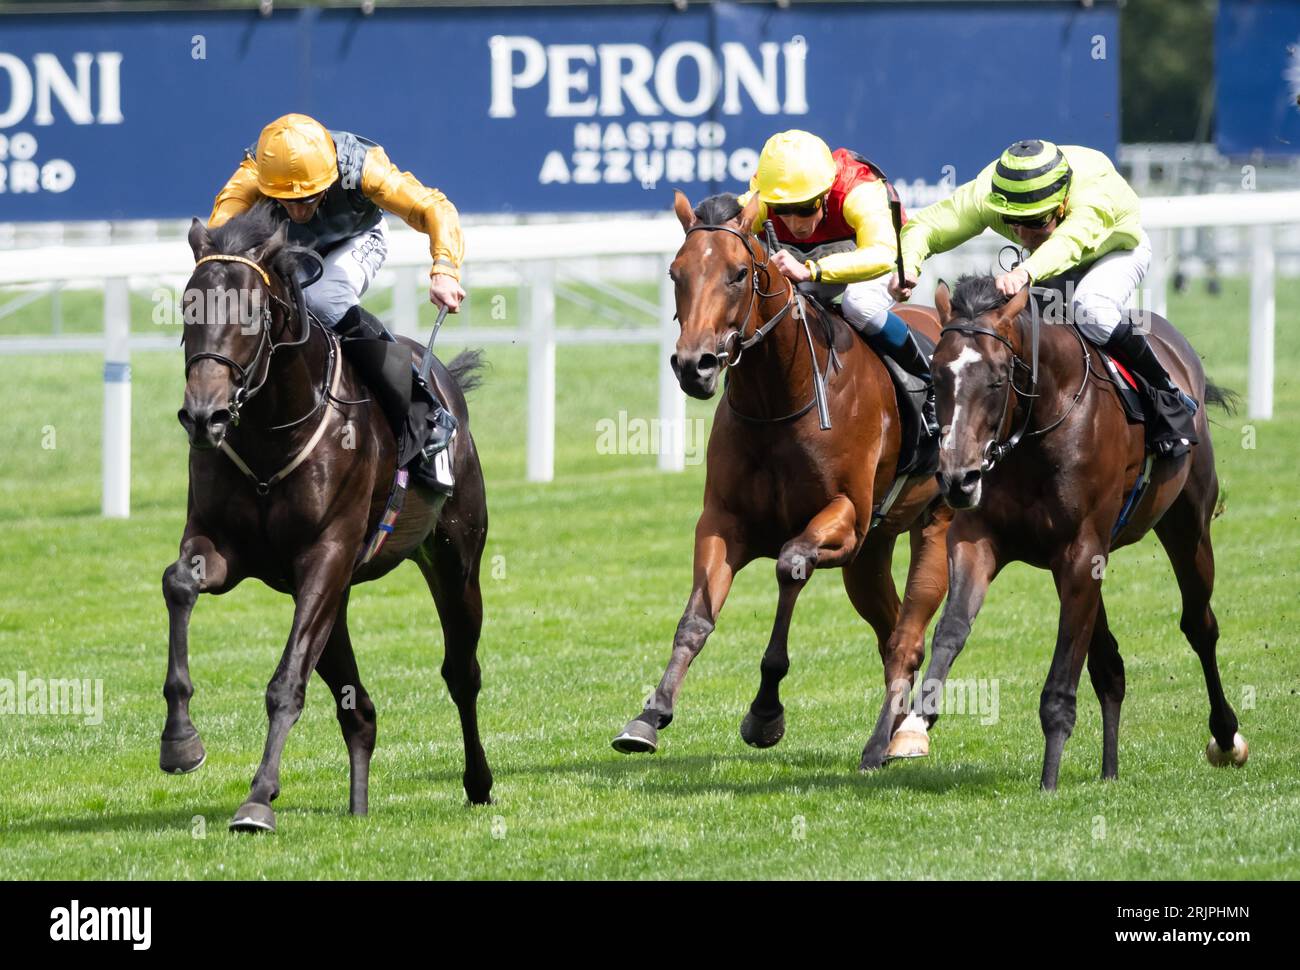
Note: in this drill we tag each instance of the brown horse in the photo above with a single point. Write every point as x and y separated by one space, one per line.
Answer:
276 392
1042 462
778 486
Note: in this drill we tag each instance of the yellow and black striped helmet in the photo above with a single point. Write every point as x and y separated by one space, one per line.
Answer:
1031 178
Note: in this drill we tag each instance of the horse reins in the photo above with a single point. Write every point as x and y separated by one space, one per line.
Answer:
994 450
736 336
328 393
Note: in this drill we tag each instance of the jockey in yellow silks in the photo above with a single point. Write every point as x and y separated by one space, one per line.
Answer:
333 187
1074 213
833 208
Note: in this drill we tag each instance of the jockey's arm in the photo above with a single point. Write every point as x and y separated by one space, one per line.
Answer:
420 207
238 195
1084 228
944 225
866 210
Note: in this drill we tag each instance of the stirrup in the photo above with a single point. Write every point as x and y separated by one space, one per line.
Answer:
444 431
929 416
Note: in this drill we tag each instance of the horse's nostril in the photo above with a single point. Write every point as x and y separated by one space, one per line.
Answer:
184 418
675 365
707 363
970 480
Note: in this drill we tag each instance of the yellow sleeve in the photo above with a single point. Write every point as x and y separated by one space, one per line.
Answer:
866 210
238 195
419 206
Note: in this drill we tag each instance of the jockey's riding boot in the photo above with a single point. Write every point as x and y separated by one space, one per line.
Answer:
897 342
1134 351
360 322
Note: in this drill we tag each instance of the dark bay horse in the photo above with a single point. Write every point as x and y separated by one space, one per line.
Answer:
777 486
1054 499
275 390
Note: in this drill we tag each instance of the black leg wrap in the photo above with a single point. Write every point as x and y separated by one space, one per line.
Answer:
1170 427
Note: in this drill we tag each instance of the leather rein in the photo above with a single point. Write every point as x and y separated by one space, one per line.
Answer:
327 394
737 341
994 450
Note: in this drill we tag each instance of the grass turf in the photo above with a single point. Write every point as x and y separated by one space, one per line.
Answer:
584 581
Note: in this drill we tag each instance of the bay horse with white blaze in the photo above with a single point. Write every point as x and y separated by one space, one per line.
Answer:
1042 463
279 395
777 485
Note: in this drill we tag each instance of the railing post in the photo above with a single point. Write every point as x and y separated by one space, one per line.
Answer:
1263 308
539 293
1156 298
117 400
672 402
405 312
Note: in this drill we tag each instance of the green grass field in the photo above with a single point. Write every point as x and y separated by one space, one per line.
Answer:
584 582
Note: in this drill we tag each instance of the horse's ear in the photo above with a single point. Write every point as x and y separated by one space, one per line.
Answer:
750 212
943 303
265 254
682 206
1015 306
200 241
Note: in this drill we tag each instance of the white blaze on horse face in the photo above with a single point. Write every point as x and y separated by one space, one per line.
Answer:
708 251
968 355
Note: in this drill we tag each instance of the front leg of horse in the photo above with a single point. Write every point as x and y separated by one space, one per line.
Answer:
972 564
718 556
320 584
927 584
1079 588
828 541
199 569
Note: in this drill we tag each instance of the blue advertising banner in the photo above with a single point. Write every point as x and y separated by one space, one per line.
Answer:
1257 60
556 109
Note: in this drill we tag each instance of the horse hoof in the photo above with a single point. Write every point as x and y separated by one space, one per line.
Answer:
911 740
253 817
758 733
183 756
637 738
1236 757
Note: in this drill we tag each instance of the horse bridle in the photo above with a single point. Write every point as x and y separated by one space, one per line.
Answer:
737 334
265 345
994 450
735 338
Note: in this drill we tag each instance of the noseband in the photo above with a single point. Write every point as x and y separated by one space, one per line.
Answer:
266 348
994 450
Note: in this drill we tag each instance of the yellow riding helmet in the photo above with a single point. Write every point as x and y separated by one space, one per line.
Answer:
1032 178
295 158
794 166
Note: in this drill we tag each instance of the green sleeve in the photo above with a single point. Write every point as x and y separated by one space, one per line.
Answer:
1082 230
943 225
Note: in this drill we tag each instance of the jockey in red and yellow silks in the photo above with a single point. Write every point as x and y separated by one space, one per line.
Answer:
823 200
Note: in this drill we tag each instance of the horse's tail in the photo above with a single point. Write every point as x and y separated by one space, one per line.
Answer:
1224 397
467 370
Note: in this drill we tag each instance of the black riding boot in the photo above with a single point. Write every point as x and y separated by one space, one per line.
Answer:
1134 352
439 427
913 359
1170 428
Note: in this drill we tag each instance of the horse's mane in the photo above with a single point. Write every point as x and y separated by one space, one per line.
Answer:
252 228
975 295
718 209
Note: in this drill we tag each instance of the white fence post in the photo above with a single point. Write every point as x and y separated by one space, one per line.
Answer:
117 400
405 312
1157 289
672 402
540 295
1263 307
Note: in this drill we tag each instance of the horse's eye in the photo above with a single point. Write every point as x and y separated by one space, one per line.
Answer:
740 275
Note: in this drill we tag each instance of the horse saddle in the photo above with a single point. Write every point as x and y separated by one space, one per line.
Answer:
1170 430
918 452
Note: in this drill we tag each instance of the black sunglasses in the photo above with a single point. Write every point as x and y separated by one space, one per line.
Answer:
1036 222
809 208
